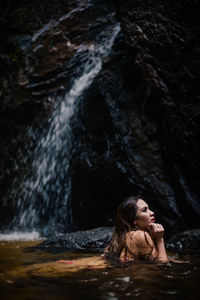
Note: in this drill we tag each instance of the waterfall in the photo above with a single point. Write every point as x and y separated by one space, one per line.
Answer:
45 192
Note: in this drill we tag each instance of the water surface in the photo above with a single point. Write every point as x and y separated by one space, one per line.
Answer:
140 281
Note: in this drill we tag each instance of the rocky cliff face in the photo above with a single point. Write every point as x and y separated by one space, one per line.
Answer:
165 37
148 138
136 129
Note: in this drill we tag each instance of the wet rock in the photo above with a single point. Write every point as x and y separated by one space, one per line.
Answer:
166 42
185 243
119 153
136 130
43 60
39 60
138 122
94 240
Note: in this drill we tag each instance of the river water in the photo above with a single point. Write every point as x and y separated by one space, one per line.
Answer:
24 275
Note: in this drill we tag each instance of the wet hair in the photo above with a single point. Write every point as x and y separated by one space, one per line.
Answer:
126 215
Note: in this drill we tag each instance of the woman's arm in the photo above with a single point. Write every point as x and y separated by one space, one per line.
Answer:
157 231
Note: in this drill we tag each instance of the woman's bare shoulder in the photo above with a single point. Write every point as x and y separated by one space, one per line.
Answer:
136 233
141 236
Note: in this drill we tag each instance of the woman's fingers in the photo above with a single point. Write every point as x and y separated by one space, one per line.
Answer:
155 226
158 227
156 230
151 227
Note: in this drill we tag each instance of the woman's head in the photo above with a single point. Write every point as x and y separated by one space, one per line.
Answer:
132 213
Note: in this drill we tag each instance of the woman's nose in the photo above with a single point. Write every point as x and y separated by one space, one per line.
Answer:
152 213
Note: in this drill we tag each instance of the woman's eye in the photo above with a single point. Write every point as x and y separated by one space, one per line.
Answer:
144 209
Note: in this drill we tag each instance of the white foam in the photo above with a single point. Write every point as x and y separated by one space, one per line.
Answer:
20 236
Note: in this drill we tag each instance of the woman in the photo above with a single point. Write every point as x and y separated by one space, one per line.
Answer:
136 235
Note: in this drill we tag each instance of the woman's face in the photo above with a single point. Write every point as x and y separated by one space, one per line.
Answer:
144 215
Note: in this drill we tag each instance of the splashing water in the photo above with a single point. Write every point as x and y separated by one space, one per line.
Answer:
20 236
44 196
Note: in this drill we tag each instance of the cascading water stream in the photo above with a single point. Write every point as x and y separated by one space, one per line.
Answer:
44 197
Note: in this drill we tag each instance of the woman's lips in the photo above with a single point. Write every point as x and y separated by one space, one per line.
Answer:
153 220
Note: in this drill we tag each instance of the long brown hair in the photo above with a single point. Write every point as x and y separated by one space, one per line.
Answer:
126 214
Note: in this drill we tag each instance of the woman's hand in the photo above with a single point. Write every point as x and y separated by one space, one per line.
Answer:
156 231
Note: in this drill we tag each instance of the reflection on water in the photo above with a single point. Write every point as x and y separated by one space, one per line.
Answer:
22 277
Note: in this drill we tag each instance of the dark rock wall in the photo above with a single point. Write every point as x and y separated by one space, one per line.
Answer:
165 36
142 119
119 153
136 129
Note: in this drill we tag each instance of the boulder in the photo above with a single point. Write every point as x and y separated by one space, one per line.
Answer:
186 243
93 240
